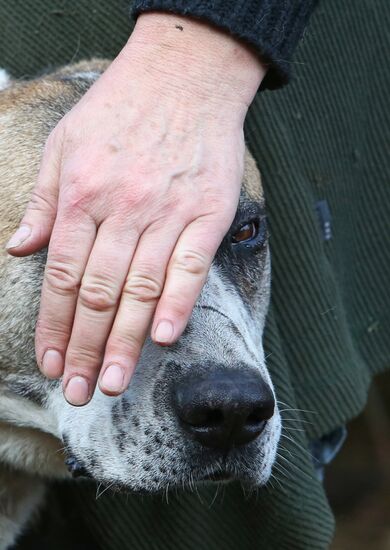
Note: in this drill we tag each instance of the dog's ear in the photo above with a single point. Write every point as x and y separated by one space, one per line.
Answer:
5 80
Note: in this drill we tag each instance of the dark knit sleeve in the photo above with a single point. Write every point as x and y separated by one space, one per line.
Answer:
272 27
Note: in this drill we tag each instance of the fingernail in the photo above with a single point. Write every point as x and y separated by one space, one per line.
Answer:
52 364
77 391
19 237
112 380
164 332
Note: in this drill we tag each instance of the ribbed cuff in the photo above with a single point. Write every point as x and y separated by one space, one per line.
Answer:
272 27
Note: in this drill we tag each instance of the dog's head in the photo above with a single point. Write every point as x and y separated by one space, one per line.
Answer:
202 409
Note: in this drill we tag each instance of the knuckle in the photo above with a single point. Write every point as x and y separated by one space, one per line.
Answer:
177 307
98 296
131 198
61 276
190 261
136 195
49 331
83 358
40 201
126 345
142 288
76 174
79 182
53 140
78 197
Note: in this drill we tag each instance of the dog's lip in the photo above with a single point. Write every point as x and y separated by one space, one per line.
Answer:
220 475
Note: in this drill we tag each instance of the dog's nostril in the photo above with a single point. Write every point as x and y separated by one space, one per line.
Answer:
206 419
253 418
259 416
224 408
214 418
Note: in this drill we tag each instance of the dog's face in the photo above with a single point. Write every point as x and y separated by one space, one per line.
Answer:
168 428
200 410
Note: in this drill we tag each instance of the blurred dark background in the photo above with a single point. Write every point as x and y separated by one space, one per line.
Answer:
358 481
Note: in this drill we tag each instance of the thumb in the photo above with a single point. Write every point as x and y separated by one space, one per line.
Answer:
36 226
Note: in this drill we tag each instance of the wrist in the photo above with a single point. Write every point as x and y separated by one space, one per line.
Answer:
180 52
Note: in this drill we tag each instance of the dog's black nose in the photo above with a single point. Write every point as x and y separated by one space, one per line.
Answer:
223 408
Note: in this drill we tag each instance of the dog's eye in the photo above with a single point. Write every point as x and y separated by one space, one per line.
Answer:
246 233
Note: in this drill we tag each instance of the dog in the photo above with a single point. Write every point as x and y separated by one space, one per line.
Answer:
202 410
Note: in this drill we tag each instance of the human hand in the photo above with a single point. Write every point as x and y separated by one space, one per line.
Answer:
138 185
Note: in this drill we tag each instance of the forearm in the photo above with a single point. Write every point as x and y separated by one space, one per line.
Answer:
272 27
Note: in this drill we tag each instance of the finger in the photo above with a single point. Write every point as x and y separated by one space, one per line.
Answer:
68 253
186 275
140 295
38 220
97 304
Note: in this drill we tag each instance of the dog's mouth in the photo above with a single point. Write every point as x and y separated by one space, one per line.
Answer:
219 476
77 470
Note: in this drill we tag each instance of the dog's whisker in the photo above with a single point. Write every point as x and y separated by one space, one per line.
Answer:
283 468
215 496
270 483
98 489
297 444
198 494
300 420
277 480
282 448
295 466
277 467
99 494
294 409
301 411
